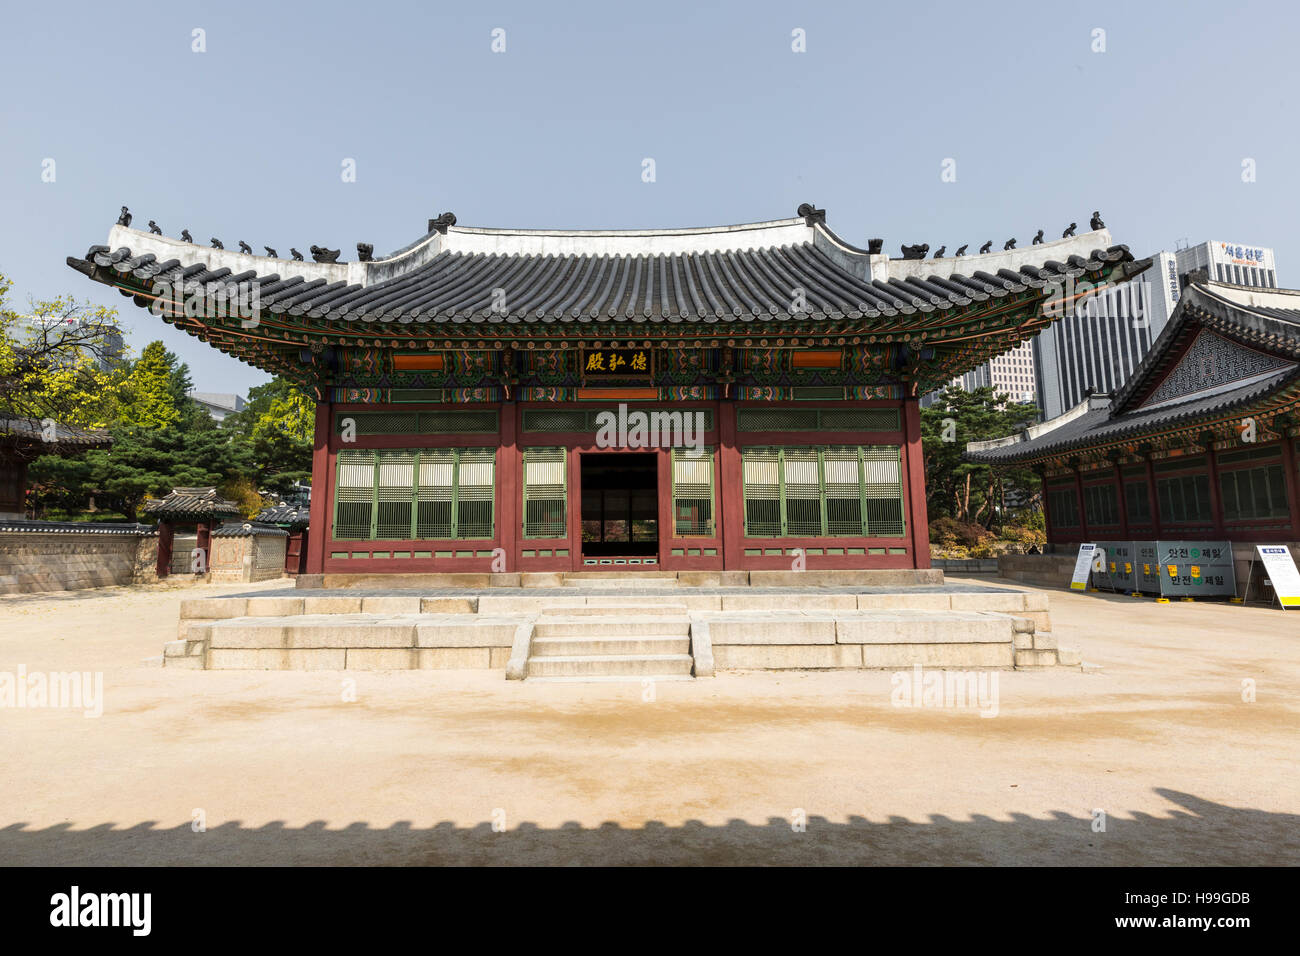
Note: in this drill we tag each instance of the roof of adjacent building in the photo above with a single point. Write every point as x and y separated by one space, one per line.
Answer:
293 516
23 526
32 432
718 274
227 400
1264 323
190 503
248 529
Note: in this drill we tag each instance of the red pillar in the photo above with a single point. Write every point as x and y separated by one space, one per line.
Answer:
320 481
1123 501
203 542
1291 473
731 502
510 479
1216 497
1047 513
165 534
914 461
1152 500
1078 496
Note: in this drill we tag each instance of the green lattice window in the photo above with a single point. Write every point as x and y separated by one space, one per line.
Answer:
786 419
1258 492
1100 506
555 420
587 419
414 494
546 493
693 493
823 491
1136 499
1063 506
440 422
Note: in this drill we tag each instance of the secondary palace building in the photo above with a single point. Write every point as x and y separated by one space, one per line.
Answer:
1200 443
462 383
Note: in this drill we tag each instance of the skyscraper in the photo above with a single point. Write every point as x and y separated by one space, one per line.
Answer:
1097 345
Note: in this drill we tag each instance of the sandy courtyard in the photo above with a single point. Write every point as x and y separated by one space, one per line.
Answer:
464 767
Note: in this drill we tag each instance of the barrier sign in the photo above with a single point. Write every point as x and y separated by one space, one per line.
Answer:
1120 558
1082 565
1281 570
1148 578
1196 569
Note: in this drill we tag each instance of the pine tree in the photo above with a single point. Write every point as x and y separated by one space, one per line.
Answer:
149 399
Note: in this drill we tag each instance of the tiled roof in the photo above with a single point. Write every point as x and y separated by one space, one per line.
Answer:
191 503
248 529
1099 425
67 438
16 526
1233 312
727 274
285 514
1258 318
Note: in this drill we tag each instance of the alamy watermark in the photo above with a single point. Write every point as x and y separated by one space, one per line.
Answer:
1085 299
638 429
127 910
83 690
947 689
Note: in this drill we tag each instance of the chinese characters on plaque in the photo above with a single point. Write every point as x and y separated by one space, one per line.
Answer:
616 363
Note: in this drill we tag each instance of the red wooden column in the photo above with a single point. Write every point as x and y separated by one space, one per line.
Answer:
730 487
320 480
165 535
1216 496
203 542
1123 500
510 481
1152 500
1291 474
914 461
1078 495
1047 513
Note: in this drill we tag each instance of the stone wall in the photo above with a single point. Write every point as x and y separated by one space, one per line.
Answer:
1047 570
36 560
966 565
247 558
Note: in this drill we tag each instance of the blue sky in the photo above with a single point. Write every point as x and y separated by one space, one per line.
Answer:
247 140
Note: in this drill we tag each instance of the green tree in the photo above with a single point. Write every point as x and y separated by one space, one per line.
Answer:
143 462
50 361
278 425
148 397
965 490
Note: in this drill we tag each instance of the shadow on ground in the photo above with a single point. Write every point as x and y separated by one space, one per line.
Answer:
1202 833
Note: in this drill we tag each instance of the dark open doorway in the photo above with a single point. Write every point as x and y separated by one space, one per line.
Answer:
620 505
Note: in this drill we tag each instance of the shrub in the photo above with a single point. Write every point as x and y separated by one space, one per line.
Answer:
951 533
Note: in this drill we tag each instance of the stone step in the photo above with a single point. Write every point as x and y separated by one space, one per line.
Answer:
607 646
610 679
618 581
605 610
528 604
611 665
604 627
360 630
630 573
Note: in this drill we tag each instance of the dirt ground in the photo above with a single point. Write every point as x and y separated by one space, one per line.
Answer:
428 767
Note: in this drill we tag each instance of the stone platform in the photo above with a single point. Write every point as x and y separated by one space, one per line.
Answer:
632 628
884 577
